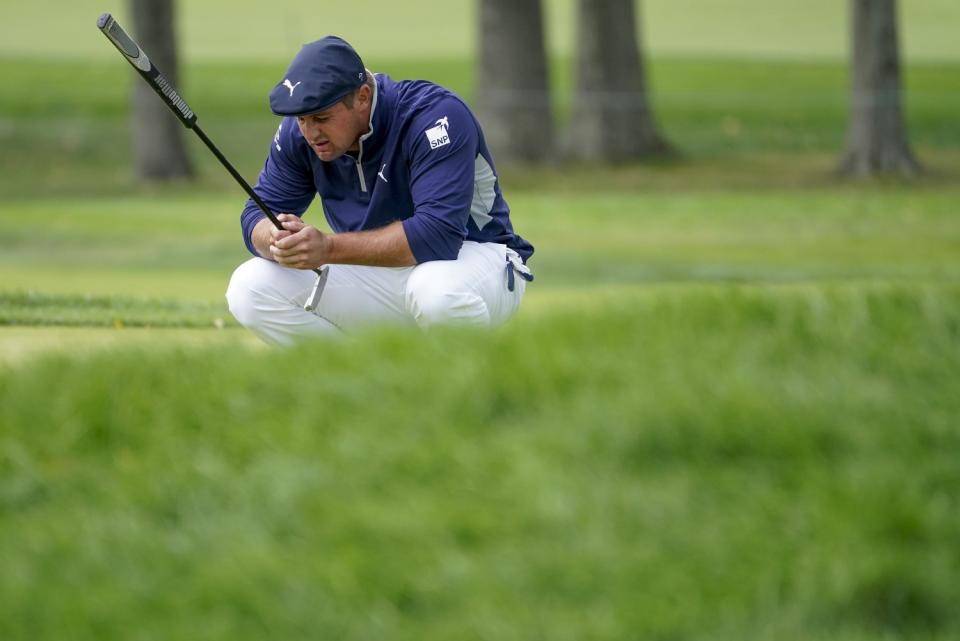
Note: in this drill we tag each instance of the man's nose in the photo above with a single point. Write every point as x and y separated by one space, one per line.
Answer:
312 130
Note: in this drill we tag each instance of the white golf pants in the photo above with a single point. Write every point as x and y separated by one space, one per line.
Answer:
268 299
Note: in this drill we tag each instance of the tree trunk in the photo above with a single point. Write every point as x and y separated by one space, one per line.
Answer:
513 92
612 118
877 134
157 134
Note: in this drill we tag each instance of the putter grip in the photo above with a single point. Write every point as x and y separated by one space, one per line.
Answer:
139 61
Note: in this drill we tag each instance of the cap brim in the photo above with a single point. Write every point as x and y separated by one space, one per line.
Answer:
308 109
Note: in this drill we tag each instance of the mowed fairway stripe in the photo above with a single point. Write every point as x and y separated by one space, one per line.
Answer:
21 345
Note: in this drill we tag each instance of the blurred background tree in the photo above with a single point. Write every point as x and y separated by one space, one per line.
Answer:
157 135
877 132
612 117
513 91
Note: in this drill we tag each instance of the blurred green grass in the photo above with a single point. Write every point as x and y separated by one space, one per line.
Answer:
741 462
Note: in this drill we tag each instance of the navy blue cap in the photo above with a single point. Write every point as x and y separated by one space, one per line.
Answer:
319 76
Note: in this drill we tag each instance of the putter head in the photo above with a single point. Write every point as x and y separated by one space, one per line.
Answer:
313 301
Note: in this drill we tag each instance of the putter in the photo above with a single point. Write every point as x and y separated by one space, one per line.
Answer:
138 60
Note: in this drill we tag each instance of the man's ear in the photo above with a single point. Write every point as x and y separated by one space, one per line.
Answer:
366 94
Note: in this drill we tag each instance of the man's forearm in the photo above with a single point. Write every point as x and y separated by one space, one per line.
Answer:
307 247
384 247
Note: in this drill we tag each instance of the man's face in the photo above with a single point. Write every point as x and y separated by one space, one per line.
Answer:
335 131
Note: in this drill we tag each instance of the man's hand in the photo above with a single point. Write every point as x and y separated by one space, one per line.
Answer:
298 245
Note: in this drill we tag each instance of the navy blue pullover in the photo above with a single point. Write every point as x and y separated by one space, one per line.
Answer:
423 162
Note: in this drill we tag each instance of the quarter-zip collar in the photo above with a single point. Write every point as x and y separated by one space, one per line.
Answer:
373 111
371 140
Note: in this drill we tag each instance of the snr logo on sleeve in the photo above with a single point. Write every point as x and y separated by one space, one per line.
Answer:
437 135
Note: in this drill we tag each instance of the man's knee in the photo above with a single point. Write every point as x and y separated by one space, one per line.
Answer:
245 289
436 300
238 295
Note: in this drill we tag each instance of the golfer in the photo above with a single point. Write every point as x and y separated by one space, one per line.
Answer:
421 233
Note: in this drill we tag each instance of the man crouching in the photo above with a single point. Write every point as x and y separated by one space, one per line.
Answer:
421 233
